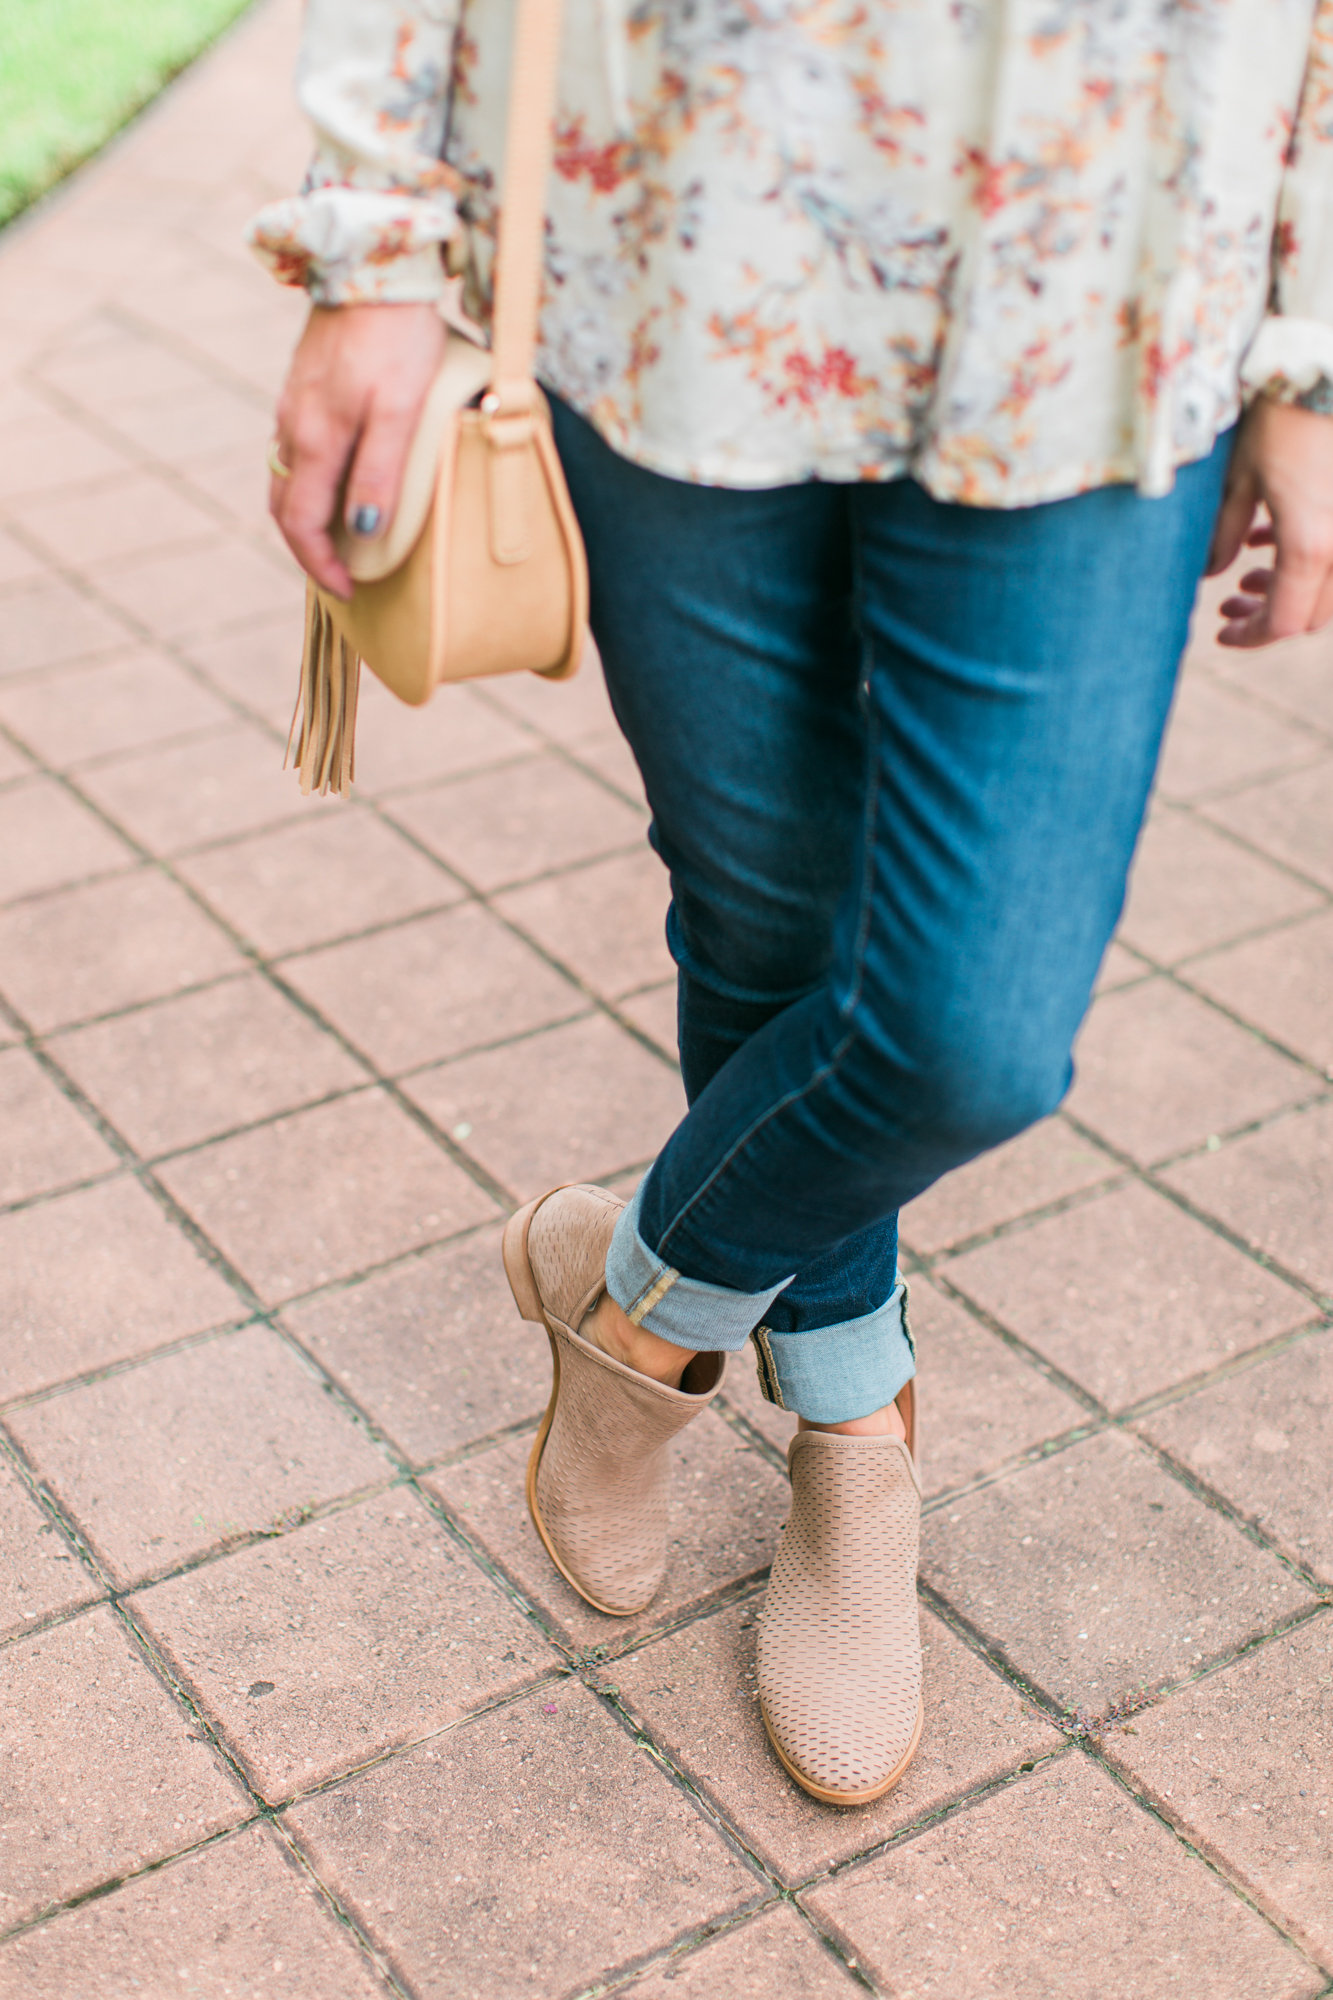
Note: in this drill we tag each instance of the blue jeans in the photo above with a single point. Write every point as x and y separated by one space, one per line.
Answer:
897 754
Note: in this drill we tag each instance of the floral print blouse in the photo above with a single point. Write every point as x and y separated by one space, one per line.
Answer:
1017 248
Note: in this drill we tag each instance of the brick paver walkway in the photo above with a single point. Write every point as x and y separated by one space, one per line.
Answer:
291 1704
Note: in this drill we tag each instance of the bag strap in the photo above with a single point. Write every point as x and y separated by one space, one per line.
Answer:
519 249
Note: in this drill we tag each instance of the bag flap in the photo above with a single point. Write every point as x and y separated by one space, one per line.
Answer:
464 373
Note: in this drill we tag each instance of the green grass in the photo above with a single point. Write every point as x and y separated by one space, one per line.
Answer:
73 71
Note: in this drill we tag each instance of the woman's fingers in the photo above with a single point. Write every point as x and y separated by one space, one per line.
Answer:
305 504
1294 596
377 466
358 380
1300 574
1235 516
400 349
1284 459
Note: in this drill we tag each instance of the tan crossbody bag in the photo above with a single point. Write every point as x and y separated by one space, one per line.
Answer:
482 569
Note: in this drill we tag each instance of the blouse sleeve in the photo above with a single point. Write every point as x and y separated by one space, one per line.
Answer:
377 202
1291 357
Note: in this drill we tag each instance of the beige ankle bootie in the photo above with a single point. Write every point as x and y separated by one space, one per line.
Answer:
598 1474
839 1640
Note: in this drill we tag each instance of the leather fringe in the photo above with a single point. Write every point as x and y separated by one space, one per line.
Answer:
322 738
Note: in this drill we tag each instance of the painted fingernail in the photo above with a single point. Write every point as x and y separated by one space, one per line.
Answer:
366 520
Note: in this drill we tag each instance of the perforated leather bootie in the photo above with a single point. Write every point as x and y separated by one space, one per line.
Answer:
599 1471
839 1641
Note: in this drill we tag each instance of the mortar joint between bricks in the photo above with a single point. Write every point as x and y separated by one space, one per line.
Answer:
1155 1809
341 1914
99 1890
679 1948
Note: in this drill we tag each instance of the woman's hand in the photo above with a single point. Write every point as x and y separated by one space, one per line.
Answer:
346 417
1284 459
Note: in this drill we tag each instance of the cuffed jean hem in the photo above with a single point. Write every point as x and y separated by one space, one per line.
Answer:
706 1318
835 1373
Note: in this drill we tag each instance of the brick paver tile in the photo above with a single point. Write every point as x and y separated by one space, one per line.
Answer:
95 1277
237 482
1283 983
655 1013
568 1853
102 1772
744 1395
432 1349
74 713
114 518
1274 1188
17 563
40 1574
1240 1761
1192 889
1159 1071
1292 677
48 839
1127 1294
48 622
433 988
1045 1164
250 345
537 815
578 1103
184 1070
1119 968
200 297
46 450
14 763
1218 739
978 1402
1059 1884
566 711
160 1463
606 922
606 752
1101 1577
317 1651
235 1919
1288 818
111 944
107 367
694 1693
196 589
309 882
727 1505
397 745
325 1193
44 1142
1261 1438
773 1957
185 794
257 665
184 424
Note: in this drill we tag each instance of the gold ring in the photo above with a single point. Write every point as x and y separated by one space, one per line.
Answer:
277 464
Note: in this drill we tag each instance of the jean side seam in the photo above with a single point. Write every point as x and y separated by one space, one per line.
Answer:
652 1295
769 1384
867 845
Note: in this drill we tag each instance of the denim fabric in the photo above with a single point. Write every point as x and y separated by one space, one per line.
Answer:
897 753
